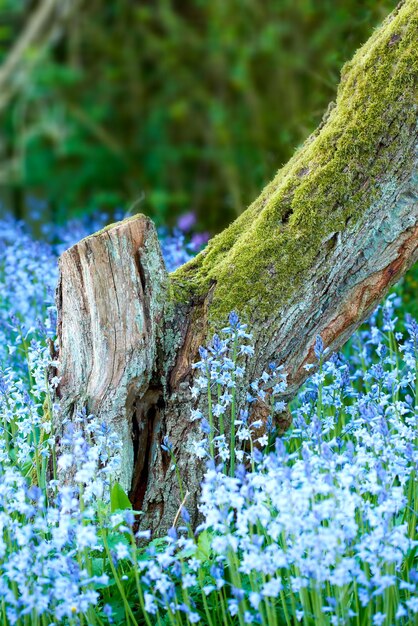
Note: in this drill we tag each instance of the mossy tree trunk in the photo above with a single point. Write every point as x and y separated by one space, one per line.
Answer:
313 255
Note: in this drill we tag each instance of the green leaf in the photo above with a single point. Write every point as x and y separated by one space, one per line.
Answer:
204 546
113 539
119 501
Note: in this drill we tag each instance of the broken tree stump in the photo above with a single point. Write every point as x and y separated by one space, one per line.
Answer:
313 255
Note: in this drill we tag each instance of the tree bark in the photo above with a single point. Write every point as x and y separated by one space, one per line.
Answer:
313 255
111 297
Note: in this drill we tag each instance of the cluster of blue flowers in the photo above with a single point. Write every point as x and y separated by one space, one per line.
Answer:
221 379
315 526
54 505
325 523
319 527
48 523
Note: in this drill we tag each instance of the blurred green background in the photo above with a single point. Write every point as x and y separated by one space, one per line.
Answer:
165 106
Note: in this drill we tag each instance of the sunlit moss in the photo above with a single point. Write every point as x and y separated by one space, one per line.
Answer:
360 148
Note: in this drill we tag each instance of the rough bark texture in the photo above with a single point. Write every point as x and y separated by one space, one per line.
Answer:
111 298
313 255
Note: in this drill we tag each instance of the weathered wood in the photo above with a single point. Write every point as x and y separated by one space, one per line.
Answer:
111 296
313 255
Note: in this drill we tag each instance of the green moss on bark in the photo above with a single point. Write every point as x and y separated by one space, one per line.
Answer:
363 144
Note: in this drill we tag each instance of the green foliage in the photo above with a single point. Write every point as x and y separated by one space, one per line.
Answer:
187 105
11 13
119 501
